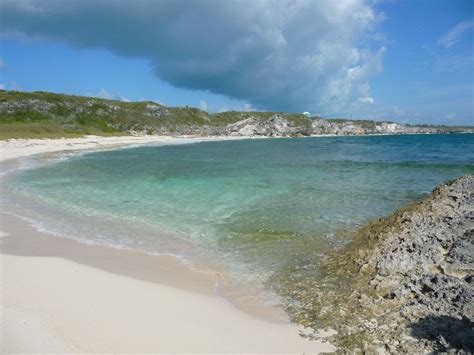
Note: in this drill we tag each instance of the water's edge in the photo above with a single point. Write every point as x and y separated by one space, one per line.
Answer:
182 273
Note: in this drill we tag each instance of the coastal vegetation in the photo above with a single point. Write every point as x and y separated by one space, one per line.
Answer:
49 115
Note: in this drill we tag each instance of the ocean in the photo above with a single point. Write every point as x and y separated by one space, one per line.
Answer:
250 209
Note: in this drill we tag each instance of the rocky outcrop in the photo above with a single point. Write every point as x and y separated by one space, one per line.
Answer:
279 125
274 126
406 283
426 264
156 111
341 128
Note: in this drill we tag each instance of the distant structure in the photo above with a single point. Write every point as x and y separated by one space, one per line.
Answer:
306 113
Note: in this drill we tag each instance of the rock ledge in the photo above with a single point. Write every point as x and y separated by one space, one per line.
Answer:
406 283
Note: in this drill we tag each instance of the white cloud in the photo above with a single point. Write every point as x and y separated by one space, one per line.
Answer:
367 100
454 35
2 86
203 105
3 65
451 116
275 54
104 94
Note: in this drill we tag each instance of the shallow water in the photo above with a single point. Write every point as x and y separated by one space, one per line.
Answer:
251 208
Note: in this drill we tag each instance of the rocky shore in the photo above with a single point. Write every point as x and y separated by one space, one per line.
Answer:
406 282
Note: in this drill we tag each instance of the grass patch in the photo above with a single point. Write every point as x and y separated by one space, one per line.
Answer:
48 130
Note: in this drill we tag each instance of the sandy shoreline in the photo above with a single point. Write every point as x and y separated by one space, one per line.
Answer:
17 148
59 295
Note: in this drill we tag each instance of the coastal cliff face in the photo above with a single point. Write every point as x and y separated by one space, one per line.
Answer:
406 283
42 114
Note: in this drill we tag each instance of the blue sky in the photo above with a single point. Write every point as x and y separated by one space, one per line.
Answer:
407 61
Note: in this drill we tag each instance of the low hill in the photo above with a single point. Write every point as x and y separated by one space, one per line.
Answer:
48 115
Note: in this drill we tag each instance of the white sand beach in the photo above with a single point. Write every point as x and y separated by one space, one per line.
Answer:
62 296
16 148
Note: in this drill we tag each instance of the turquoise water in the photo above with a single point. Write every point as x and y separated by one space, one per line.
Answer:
250 208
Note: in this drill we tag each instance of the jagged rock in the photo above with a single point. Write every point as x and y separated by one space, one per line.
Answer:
412 270
351 129
386 127
427 262
276 126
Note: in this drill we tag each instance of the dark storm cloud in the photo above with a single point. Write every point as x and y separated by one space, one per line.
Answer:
286 55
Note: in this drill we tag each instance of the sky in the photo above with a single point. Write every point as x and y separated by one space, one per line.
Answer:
410 61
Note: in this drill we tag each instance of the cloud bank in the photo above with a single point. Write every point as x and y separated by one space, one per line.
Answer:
315 55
